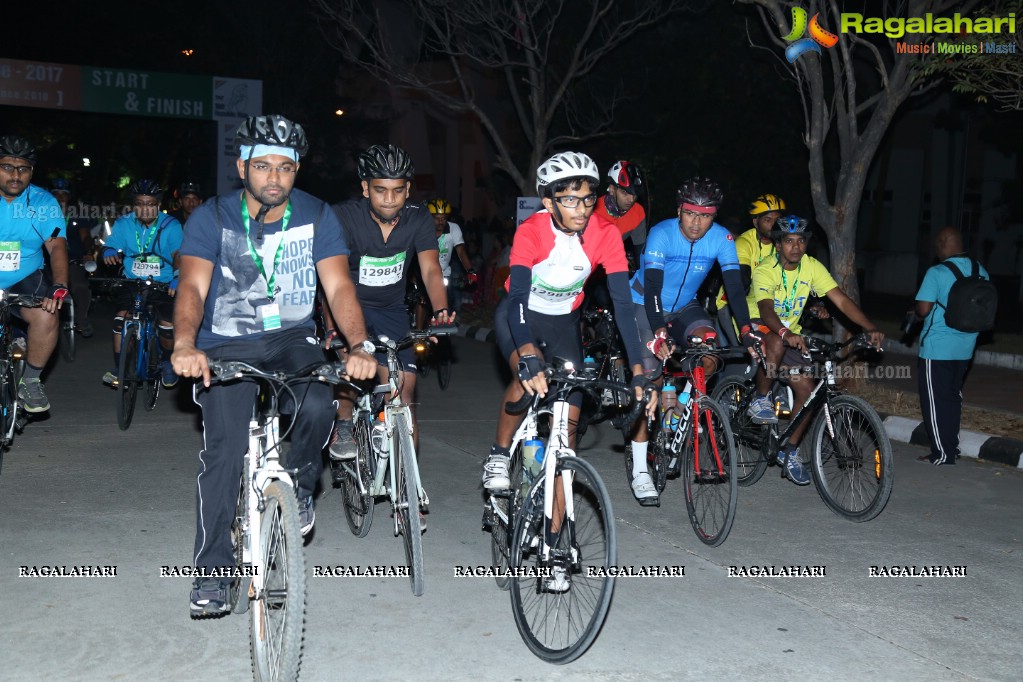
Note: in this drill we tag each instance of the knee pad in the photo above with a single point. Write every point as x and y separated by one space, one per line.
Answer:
118 324
165 333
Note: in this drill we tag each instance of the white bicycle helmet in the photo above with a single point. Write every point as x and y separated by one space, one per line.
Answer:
565 165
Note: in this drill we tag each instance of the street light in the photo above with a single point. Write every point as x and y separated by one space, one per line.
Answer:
339 112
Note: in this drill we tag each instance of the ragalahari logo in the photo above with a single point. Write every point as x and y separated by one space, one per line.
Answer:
819 37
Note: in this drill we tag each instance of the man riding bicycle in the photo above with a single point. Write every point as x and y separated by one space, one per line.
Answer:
554 252
383 231
249 267
146 242
450 242
31 219
778 293
680 253
621 204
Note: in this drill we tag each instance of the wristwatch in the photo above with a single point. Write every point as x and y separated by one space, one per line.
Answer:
367 346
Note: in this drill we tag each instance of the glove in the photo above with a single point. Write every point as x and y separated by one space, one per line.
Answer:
472 279
641 381
655 345
173 284
58 292
529 367
750 336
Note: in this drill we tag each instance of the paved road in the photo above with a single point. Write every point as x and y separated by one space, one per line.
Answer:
74 490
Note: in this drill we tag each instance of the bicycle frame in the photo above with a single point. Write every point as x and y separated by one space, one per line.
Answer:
141 324
696 387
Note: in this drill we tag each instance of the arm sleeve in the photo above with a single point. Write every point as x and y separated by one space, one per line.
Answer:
653 284
734 291
518 305
625 315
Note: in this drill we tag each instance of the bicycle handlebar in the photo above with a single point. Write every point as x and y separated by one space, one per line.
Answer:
384 343
24 300
327 372
572 378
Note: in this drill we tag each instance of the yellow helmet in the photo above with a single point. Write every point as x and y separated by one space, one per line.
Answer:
438 206
766 203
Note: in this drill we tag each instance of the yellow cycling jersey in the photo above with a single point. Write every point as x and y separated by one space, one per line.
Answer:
789 289
751 253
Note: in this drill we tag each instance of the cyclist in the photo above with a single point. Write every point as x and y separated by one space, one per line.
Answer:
147 242
80 252
190 198
450 241
553 254
250 261
383 230
778 294
753 247
31 219
680 253
621 204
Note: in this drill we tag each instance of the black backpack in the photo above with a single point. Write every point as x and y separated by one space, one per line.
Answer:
972 301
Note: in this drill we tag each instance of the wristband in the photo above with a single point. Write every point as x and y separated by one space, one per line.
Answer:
781 332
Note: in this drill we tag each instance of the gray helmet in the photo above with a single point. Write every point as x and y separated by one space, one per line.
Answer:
700 192
18 147
385 162
791 224
272 130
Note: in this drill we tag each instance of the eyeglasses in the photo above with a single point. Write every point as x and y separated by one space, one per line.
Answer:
147 204
20 170
693 215
265 168
572 201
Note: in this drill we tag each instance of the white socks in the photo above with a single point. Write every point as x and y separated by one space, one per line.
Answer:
638 458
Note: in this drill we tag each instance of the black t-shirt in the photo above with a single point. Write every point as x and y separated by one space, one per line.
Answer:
379 269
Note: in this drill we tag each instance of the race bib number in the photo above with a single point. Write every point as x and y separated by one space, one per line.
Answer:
555 294
147 267
379 272
10 256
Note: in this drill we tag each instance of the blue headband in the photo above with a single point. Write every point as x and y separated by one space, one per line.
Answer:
247 152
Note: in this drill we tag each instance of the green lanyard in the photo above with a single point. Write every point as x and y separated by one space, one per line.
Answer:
152 235
257 259
790 300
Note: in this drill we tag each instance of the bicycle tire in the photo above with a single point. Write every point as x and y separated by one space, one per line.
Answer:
657 460
239 592
444 363
549 622
8 409
152 372
408 503
127 387
358 507
621 407
853 485
278 614
750 460
67 340
711 493
501 531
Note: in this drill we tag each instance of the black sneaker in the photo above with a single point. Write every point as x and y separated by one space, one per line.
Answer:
209 597
306 514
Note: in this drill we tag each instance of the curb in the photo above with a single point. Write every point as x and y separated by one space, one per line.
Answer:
971 443
980 357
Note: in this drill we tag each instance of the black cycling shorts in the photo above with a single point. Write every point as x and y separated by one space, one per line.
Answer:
557 336
393 323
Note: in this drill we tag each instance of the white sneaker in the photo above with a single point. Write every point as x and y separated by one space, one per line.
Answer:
558 580
645 491
495 473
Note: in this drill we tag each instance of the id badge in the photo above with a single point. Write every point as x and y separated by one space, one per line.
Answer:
271 314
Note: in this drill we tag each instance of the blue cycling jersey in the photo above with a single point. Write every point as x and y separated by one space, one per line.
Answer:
162 238
685 264
26 223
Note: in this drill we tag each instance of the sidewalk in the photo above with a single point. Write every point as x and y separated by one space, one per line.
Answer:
989 386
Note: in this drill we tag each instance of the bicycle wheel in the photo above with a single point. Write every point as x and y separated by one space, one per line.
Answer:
152 379
8 406
750 463
852 465
408 503
67 331
559 626
711 491
503 522
239 593
358 506
127 381
620 405
278 613
443 350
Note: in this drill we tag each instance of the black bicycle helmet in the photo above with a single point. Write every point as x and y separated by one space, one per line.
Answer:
385 162
18 147
791 224
272 130
146 188
188 188
700 192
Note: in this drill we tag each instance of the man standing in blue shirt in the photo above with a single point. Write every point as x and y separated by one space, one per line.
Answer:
945 353
147 241
30 219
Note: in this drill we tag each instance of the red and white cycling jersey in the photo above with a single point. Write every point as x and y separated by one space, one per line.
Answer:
560 263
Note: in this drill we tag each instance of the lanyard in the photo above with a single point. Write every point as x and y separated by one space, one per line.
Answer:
790 300
152 235
256 258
